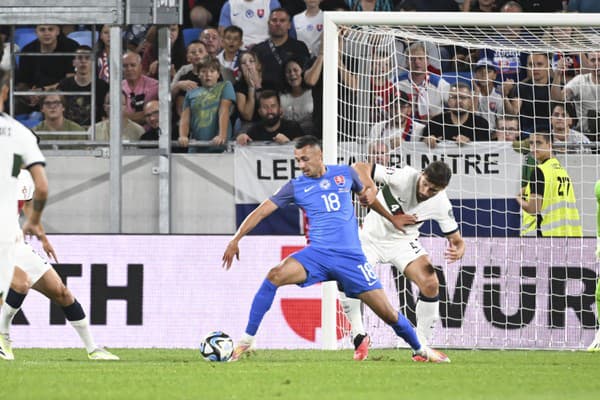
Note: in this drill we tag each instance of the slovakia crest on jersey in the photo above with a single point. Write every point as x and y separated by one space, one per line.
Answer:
319 27
339 180
325 184
260 12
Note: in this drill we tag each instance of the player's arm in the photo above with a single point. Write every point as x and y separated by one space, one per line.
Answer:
456 248
364 171
46 245
33 225
265 209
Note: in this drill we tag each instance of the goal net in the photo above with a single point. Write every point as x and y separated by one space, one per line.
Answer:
470 89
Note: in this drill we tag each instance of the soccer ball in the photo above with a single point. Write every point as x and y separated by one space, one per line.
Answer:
216 346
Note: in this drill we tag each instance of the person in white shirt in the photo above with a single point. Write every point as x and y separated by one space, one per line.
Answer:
490 102
309 26
32 271
584 91
417 196
18 148
428 91
250 15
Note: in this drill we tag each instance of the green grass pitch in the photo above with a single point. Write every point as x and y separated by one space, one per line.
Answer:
298 374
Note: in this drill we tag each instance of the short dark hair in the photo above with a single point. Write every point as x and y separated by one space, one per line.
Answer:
267 94
281 9
234 29
84 47
307 140
438 173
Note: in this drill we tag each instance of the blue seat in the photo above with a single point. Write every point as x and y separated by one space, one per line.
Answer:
30 120
191 34
24 29
24 38
84 38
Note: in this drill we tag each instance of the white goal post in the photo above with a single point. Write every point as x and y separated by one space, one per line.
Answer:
509 291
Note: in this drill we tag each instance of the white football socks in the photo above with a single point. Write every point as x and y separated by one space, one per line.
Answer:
83 330
7 313
352 310
427 315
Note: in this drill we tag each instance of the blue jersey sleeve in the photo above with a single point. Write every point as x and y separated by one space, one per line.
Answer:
225 17
284 196
357 185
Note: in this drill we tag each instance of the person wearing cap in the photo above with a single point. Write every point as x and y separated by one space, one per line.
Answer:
490 101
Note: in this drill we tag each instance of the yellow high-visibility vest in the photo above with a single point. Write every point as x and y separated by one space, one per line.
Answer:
559 214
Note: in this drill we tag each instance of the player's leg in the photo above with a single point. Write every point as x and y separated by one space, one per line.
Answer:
377 301
595 346
353 310
10 307
288 272
51 286
422 273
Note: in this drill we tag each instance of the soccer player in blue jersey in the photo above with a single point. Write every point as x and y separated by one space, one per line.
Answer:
334 250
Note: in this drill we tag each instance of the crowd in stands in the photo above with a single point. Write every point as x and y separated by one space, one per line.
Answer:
246 71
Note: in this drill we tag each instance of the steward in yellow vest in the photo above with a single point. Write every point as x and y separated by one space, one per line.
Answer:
549 196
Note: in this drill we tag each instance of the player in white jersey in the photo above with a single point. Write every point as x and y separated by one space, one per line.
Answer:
32 271
418 196
18 148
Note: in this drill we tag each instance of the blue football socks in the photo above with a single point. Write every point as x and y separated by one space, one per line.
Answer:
405 330
260 305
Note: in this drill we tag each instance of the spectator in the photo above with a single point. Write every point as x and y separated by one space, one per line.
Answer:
531 98
276 50
309 26
79 108
548 195
150 57
583 90
297 99
43 72
584 6
399 126
130 131
481 6
151 113
428 91
247 89
271 126
378 152
138 87
212 40
507 129
137 37
184 82
5 52
53 108
561 121
200 17
490 102
251 16
369 5
230 56
459 123
206 110
103 54
542 6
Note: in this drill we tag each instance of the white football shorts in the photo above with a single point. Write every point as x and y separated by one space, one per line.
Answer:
7 267
31 262
399 253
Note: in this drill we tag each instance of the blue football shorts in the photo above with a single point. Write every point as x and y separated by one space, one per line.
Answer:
350 269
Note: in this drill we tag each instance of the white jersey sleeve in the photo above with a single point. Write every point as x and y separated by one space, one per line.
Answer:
18 148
